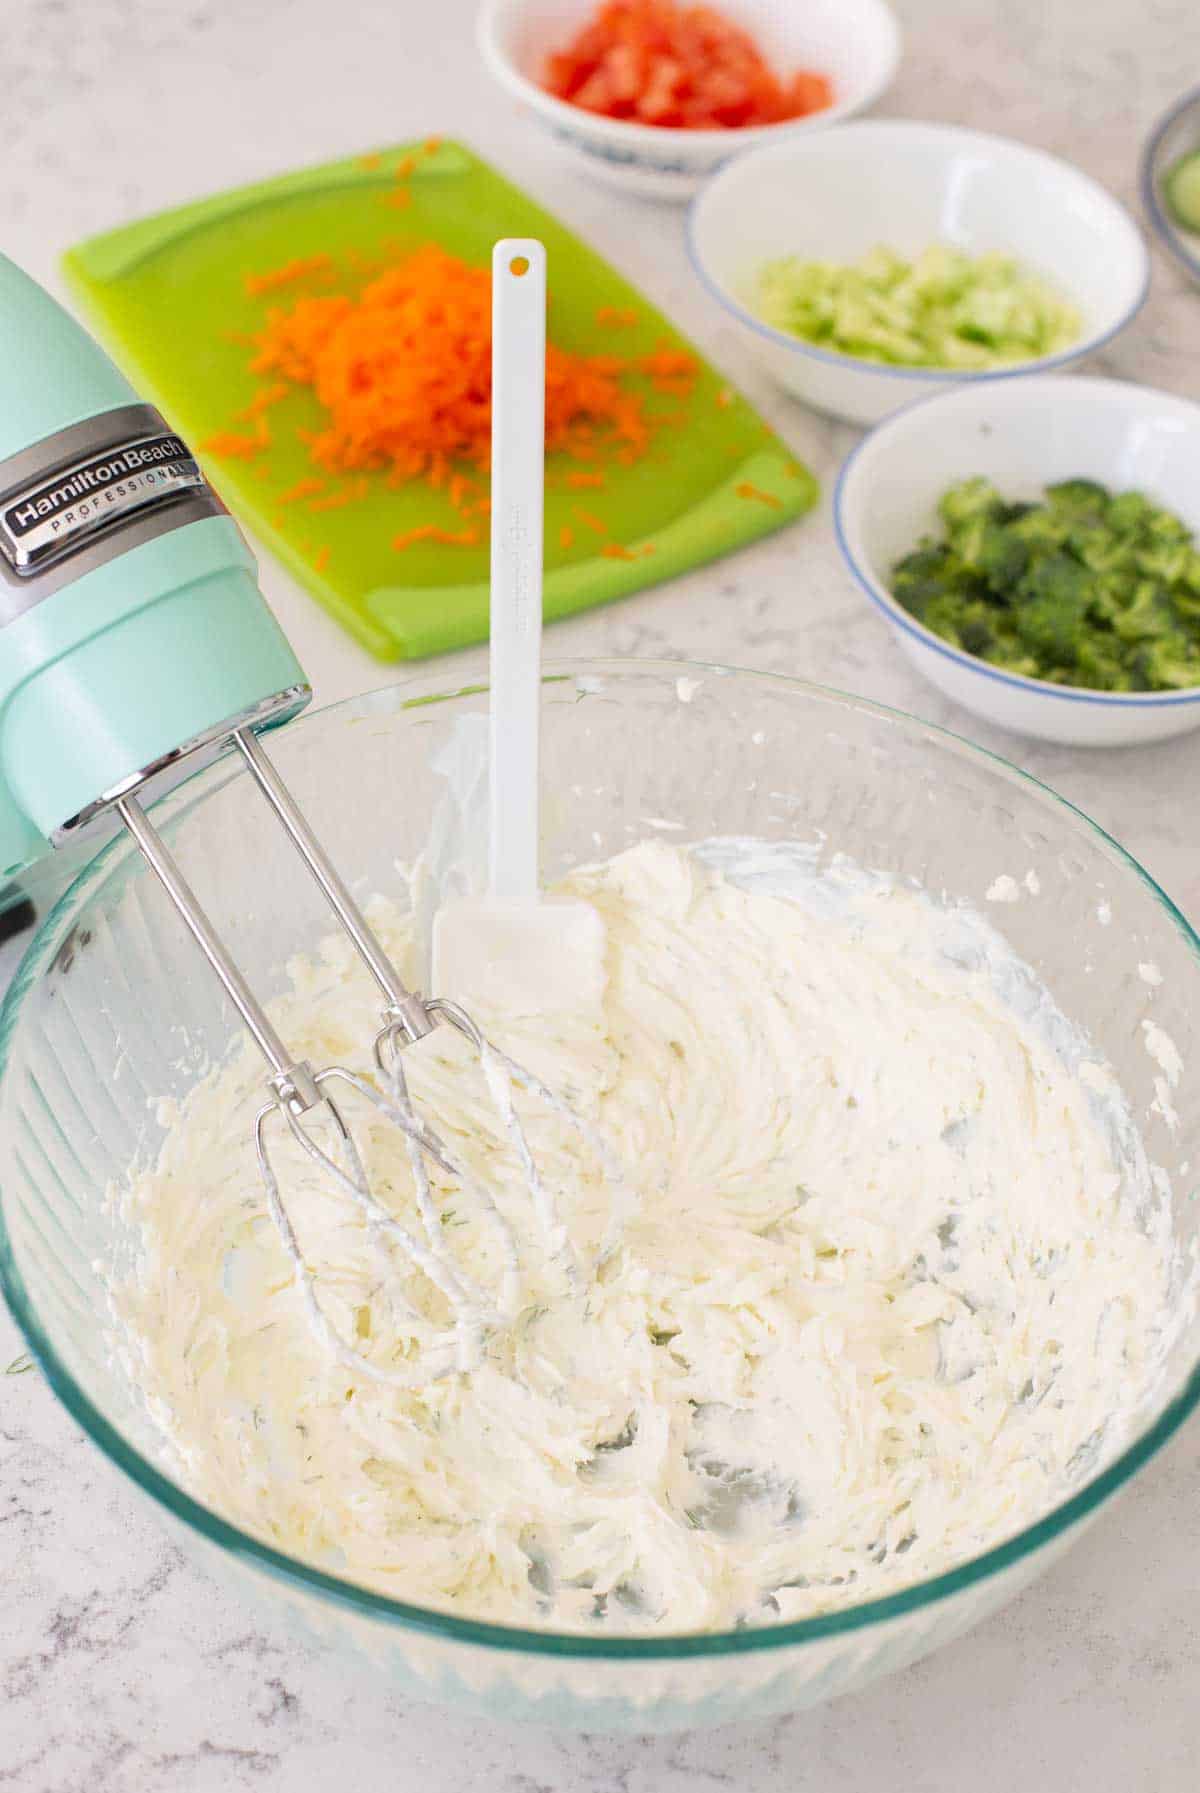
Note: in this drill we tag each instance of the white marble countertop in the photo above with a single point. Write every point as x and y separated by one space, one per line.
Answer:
121 1670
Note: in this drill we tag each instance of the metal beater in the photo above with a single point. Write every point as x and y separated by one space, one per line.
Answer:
134 644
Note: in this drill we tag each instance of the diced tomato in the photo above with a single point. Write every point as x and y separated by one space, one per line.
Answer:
810 92
664 63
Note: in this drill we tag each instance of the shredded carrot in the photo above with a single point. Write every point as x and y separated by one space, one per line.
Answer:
262 400
580 481
404 167
371 161
612 317
232 445
262 471
429 532
399 201
746 490
724 398
303 488
670 370
591 522
432 145
288 274
647 549
566 536
321 558
614 551
335 501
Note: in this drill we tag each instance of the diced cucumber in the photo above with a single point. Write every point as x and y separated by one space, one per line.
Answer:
1181 190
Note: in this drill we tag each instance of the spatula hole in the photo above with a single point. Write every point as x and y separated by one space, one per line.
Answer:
519 265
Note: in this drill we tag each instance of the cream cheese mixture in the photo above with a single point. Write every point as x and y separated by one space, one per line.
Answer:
885 1273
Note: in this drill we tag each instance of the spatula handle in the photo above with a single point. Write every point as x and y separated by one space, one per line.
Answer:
518 473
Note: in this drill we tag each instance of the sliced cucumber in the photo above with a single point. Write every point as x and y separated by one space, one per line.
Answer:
1181 190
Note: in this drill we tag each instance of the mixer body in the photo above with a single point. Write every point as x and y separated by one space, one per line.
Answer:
133 637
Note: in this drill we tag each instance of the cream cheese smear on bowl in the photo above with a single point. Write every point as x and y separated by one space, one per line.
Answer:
885 1273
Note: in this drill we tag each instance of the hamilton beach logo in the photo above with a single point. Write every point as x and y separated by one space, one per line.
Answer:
45 522
93 480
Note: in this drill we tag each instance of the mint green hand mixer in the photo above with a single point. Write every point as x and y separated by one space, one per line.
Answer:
134 644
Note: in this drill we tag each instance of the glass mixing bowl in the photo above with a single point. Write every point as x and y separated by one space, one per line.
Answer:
113 1008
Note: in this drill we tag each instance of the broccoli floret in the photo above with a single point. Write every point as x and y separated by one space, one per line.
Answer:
1165 560
1042 530
962 620
1128 512
1078 497
1171 664
1149 616
1054 598
1190 577
976 629
1099 664
1003 558
972 500
1102 551
1187 603
1165 529
924 576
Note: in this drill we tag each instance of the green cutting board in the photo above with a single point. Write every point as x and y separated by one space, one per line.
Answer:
169 295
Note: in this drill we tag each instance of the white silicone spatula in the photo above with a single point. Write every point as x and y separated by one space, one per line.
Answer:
513 950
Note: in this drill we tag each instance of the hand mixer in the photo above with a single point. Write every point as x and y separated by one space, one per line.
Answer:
134 646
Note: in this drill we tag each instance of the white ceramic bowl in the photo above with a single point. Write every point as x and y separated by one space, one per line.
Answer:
1173 136
835 195
1023 436
855 42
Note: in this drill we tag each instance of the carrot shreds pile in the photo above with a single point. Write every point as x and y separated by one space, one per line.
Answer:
288 274
404 373
401 367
